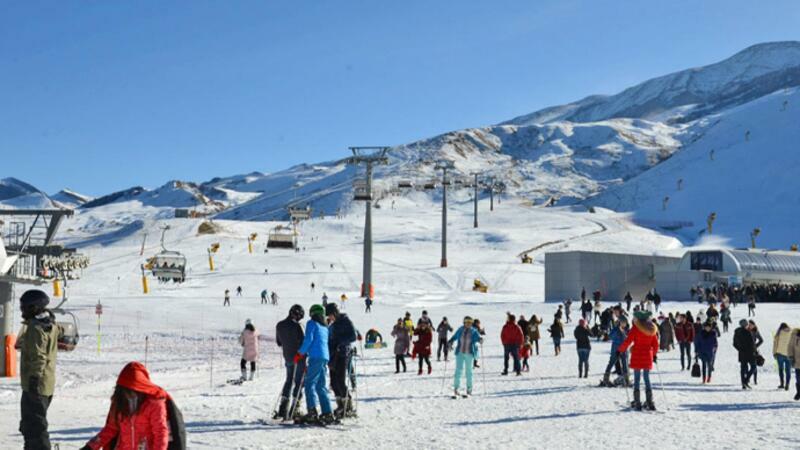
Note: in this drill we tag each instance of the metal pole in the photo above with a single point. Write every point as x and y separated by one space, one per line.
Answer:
141 252
491 196
366 284
6 324
475 220
444 217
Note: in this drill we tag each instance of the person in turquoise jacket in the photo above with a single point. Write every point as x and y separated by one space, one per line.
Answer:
467 339
315 349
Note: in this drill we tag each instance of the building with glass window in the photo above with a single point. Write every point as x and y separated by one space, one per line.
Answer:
736 267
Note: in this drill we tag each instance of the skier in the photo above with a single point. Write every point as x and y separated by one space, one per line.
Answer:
617 336
466 340
422 346
644 338
442 330
264 297
238 291
138 415
584 345
368 304
289 337
324 299
248 339
706 349
557 333
315 348
227 301
313 286
401 344
628 300
743 342
342 336
512 339
535 334
780 351
38 345
684 333
343 299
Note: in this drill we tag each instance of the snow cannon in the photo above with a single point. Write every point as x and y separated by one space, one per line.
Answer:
479 286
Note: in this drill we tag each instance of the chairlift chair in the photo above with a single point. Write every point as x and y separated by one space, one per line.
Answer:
360 191
167 265
282 237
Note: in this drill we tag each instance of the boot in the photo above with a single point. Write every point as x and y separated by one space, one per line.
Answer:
430 368
328 418
606 380
244 375
283 409
340 408
349 407
648 395
250 377
310 417
637 403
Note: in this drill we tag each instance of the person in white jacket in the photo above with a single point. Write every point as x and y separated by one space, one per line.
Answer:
249 341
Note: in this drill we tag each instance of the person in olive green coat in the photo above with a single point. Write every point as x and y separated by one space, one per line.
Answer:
38 344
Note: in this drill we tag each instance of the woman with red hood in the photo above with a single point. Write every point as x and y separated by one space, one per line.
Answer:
138 415
644 337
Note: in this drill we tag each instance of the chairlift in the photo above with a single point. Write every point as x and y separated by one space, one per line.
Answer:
405 184
167 265
430 185
69 323
360 191
282 237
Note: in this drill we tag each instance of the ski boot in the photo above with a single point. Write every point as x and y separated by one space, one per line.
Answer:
283 409
339 412
244 375
349 407
606 382
649 405
250 377
469 392
311 418
637 403
328 419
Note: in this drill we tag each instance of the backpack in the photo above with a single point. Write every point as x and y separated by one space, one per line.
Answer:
695 370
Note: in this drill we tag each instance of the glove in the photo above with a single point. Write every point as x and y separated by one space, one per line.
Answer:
360 338
33 385
297 358
655 358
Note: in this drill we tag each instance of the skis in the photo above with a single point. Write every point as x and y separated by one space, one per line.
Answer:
235 381
630 408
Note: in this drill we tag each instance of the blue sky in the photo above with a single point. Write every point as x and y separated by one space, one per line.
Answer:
99 96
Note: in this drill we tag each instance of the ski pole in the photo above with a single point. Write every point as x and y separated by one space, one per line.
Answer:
444 377
663 391
483 371
299 391
280 394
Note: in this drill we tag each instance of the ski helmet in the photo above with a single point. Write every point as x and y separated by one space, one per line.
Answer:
316 310
34 298
297 312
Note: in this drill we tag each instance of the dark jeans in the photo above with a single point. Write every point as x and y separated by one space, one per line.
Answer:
707 364
33 421
686 348
745 371
293 377
637 373
339 365
399 359
784 369
536 345
513 351
617 357
583 360
442 348
426 359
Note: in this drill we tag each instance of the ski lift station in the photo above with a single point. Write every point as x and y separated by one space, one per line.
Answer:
614 274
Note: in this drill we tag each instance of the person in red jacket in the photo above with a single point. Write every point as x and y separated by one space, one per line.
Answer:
138 414
422 346
644 338
512 338
684 334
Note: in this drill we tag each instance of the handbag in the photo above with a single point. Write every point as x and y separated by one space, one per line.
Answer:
759 360
695 370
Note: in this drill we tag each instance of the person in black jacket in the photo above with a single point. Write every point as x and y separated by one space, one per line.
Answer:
584 346
744 344
341 336
289 336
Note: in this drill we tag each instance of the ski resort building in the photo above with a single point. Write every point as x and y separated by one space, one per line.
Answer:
613 274
734 267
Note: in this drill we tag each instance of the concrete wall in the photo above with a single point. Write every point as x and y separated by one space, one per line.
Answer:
612 273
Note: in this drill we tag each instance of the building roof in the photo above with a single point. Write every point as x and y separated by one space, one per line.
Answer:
764 261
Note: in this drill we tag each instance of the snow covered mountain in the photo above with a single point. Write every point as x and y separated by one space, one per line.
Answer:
17 194
70 199
689 94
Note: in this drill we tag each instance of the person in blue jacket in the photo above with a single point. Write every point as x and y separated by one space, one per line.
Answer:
466 339
617 336
315 349
706 349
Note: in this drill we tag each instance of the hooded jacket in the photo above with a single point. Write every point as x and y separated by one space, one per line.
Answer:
38 345
148 426
644 338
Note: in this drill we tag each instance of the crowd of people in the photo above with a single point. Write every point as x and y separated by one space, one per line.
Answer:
321 354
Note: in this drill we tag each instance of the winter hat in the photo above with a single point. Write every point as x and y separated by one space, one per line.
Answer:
248 322
316 310
743 323
34 298
135 377
331 309
642 314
